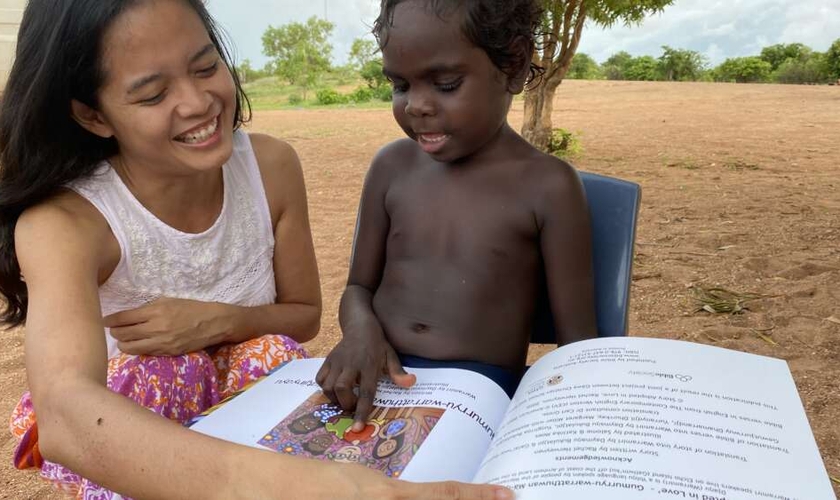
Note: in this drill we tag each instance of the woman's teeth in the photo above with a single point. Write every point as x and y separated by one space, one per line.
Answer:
200 135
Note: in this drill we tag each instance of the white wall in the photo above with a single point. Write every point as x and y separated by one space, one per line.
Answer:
11 12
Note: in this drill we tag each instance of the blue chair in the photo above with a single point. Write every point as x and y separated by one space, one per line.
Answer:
613 210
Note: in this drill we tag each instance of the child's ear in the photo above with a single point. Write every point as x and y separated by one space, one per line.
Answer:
523 51
90 119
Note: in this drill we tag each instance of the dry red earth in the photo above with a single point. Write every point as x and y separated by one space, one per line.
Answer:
740 189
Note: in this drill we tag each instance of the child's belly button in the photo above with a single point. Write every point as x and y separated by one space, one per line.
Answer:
420 328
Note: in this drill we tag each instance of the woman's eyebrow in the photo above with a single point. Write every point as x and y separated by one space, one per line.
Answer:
203 52
142 82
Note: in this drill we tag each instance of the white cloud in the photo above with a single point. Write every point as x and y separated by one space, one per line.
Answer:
723 30
815 23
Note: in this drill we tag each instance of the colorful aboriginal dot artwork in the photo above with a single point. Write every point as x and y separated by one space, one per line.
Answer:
321 430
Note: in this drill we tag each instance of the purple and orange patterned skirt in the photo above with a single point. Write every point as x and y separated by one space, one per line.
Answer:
176 387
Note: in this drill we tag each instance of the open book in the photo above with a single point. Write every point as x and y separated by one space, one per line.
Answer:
618 418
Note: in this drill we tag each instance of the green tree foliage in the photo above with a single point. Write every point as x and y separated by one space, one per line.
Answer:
300 52
681 65
247 73
244 70
563 23
584 68
344 75
832 60
379 86
780 63
616 66
362 94
777 54
743 70
372 74
643 69
796 63
384 93
330 96
361 52
810 69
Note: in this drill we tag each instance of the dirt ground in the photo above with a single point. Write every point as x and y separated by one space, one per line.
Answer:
740 189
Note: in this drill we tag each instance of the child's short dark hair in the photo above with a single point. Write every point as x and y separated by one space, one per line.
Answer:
492 25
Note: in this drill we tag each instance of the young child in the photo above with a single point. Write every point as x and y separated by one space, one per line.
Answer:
128 191
458 223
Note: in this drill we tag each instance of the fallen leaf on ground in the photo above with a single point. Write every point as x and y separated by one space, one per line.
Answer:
765 338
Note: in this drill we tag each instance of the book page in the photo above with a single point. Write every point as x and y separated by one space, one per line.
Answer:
637 418
411 433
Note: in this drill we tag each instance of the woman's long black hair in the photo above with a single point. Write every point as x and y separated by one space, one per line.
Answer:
42 148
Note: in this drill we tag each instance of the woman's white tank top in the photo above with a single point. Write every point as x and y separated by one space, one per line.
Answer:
231 262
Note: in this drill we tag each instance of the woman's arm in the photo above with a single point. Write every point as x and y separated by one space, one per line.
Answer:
83 425
297 312
114 442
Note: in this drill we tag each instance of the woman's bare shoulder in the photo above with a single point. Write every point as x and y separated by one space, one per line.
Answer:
281 172
67 208
274 156
65 226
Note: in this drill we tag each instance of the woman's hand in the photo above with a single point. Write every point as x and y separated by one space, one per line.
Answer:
451 490
359 359
171 327
366 483
316 480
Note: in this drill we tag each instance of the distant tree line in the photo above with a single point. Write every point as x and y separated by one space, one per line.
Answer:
780 63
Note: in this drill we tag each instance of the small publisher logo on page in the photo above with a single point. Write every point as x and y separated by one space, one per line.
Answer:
669 376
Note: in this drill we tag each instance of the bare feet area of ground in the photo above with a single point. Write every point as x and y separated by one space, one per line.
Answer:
740 190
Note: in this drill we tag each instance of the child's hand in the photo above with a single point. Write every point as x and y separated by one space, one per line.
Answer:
359 360
170 327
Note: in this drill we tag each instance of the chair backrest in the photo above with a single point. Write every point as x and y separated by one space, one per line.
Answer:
613 210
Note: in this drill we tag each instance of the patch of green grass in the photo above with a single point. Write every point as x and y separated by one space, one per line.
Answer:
739 165
718 300
687 164
273 93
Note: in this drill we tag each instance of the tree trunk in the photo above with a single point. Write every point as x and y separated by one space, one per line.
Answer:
539 104
555 57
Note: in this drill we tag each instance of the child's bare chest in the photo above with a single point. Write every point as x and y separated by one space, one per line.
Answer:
435 217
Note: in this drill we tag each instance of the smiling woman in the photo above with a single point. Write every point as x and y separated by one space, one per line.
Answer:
137 242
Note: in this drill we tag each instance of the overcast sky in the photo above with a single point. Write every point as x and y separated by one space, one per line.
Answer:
717 28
